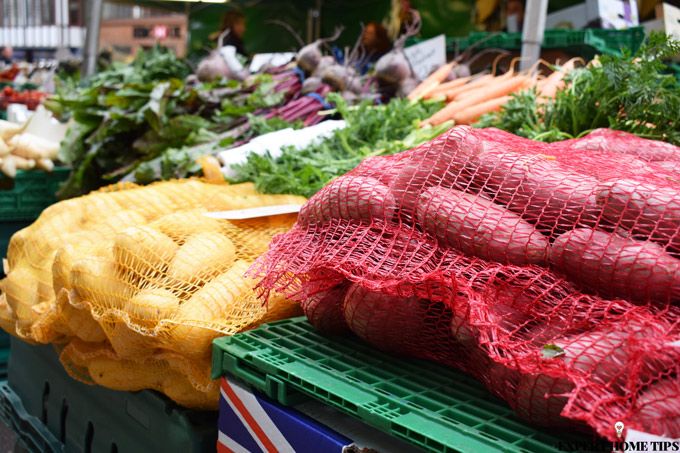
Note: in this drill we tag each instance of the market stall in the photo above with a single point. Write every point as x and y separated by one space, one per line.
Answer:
423 254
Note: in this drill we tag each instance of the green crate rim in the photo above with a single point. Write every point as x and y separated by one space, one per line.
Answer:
271 360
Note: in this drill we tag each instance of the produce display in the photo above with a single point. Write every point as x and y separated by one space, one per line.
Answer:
21 150
550 272
523 227
636 93
31 98
135 283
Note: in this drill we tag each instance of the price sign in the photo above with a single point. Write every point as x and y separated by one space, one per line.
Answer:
426 56
272 59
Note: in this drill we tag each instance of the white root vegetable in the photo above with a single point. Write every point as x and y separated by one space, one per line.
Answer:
9 129
4 148
45 164
9 166
31 146
22 163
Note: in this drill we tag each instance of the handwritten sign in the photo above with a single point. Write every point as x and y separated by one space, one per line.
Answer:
273 59
426 56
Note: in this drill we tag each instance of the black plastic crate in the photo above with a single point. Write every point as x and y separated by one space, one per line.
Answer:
84 418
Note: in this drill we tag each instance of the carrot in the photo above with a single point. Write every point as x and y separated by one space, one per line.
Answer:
431 81
446 86
472 114
489 92
480 81
554 81
483 87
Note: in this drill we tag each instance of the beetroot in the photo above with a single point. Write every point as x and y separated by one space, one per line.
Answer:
615 266
349 197
479 227
309 57
393 68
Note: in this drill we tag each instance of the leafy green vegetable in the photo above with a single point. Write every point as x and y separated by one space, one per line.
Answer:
147 112
371 131
632 92
550 351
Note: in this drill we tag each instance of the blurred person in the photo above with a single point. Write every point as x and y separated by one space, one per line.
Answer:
235 22
375 41
7 54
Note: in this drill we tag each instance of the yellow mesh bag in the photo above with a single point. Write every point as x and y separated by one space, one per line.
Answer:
141 272
185 381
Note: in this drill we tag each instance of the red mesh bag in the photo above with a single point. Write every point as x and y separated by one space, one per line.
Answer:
550 272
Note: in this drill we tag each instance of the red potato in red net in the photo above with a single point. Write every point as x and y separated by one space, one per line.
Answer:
645 209
604 356
537 188
324 310
614 266
441 162
479 227
349 197
625 143
403 325
657 409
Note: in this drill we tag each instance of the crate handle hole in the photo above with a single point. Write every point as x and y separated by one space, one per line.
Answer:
45 399
62 420
89 436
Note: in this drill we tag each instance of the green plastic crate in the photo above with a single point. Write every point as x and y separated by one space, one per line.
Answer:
7 229
25 196
433 407
586 43
85 418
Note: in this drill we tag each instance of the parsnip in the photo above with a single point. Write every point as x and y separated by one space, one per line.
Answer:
33 147
4 148
9 166
8 129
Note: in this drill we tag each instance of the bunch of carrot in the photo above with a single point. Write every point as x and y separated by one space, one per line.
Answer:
468 98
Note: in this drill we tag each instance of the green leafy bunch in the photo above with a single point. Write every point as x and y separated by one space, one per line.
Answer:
633 92
371 131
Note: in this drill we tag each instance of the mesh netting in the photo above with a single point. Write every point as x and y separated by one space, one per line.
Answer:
550 272
140 274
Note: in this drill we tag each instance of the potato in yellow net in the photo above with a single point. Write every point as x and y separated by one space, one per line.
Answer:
138 273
